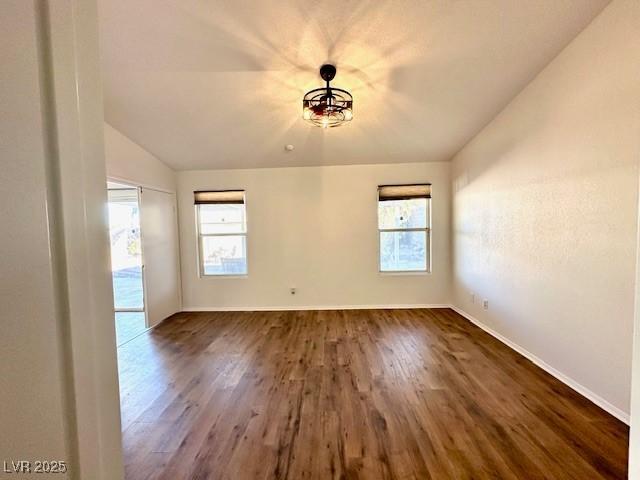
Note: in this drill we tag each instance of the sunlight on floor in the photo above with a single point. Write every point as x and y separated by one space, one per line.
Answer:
128 326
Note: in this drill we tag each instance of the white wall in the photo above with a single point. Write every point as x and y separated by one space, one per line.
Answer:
545 211
314 228
59 397
634 440
32 364
128 161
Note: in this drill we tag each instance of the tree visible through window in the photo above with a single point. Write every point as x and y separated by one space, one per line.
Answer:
404 227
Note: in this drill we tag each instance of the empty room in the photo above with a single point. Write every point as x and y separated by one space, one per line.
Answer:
356 239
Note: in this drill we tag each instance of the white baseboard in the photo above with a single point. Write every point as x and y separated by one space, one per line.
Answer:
582 390
314 307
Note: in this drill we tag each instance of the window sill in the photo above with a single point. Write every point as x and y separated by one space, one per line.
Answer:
409 273
232 276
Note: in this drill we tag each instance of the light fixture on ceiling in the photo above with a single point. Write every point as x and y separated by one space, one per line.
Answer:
327 106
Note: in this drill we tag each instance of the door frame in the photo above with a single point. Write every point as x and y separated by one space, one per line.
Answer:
138 189
67 34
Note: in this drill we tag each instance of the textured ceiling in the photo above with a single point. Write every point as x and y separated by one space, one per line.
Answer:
218 84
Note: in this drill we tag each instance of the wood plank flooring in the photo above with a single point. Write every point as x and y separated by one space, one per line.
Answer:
360 394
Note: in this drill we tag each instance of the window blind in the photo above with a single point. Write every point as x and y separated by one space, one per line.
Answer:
123 195
218 197
404 192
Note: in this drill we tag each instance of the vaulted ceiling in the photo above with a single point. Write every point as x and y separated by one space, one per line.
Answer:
219 83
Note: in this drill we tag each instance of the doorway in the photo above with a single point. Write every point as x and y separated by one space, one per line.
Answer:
127 269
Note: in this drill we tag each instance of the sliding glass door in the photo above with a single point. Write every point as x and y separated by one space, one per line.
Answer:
126 262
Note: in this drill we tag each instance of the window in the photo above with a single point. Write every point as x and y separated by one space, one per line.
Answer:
222 232
404 227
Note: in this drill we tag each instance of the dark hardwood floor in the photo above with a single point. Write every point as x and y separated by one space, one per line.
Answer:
361 394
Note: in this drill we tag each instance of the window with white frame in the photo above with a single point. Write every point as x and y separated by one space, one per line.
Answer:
222 232
404 227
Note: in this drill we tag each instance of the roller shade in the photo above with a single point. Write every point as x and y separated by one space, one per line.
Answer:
216 197
123 195
404 192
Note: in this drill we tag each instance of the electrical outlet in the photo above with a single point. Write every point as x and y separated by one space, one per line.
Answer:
485 304
292 290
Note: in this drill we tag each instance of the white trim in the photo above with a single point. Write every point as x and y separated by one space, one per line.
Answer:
428 239
314 307
582 390
403 273
81 244
143 263
200 249
135 184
